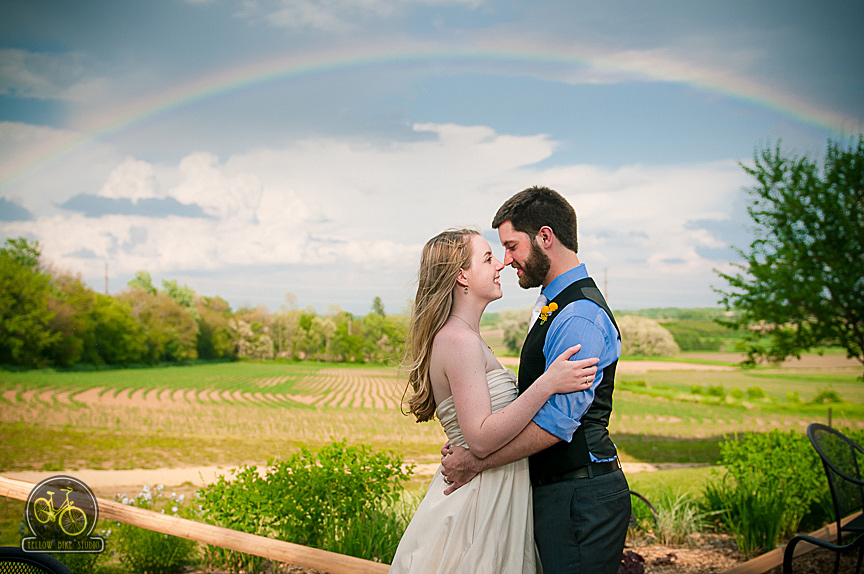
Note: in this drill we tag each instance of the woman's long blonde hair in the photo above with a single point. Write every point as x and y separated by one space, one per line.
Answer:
443 256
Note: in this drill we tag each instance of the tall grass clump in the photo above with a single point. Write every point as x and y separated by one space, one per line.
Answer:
344 499
752 510
143 551
679 516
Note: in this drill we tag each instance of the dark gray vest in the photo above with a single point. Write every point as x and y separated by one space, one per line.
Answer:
592 435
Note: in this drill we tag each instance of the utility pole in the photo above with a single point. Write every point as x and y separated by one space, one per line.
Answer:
605 286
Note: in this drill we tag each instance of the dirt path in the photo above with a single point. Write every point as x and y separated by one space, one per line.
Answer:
198 476
639 367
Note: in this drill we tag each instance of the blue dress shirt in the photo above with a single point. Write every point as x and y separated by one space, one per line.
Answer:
582 322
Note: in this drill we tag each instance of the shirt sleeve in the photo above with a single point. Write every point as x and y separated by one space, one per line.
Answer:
582 322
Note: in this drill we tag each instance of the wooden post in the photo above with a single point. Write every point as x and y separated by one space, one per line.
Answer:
223 537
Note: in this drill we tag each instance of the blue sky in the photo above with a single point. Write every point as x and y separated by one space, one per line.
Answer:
254 148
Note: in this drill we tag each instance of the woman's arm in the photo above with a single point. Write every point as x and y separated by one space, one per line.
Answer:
464 363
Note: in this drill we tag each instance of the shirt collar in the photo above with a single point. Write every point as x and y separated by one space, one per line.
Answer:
564 280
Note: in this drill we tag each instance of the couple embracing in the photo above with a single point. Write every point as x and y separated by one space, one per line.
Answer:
530 480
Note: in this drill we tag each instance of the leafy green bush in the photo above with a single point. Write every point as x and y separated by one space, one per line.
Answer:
827 397
145 551
775 485
782 461
754 393
342 498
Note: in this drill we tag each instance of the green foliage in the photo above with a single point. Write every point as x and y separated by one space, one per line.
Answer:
645 337
753 510
775 483
144 551
215 339
514 324
678 517
700 335
824 397
784 461
170 332
378 307
755 393
341 498
184 296
142 280
25 317
801 283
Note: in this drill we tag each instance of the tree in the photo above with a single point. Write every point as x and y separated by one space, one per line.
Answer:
514 325
215 338
646 337
169 329
801 284
142 280
24 312
378 307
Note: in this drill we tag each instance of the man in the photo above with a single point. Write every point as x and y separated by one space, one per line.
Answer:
581 497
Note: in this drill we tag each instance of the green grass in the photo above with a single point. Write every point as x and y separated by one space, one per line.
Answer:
681 480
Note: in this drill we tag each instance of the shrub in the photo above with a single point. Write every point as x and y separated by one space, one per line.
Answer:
145 551
342 498
775 484
781 461
754 393
643 336
827 397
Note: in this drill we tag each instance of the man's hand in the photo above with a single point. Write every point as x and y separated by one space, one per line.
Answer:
460 466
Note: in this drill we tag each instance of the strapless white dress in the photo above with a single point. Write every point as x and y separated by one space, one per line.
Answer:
485 527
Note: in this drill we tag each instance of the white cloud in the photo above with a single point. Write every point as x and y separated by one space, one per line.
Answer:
333 204
336 15
60 76
133 179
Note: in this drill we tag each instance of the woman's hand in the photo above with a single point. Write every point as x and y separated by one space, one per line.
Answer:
565 376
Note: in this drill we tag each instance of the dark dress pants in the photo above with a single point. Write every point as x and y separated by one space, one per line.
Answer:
580 524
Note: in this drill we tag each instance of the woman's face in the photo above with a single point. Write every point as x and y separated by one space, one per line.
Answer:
483 277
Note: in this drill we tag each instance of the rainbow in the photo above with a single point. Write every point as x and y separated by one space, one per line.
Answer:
637 66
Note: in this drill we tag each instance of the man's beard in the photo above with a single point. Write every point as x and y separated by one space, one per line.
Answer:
535 268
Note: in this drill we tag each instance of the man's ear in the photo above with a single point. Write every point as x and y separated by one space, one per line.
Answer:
544 236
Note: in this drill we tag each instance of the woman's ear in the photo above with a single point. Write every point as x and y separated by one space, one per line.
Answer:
461 280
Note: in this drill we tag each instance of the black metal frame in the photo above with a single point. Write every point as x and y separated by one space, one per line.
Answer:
836 478
37 562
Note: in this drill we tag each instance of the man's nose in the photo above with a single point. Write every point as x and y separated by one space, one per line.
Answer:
507 258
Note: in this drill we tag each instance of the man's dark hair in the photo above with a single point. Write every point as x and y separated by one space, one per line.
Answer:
532 208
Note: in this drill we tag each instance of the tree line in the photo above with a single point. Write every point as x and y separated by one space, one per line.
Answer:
49 317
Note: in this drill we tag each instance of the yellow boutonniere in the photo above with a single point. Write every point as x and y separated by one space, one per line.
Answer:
547 310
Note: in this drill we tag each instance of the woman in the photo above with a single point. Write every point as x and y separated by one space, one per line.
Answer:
487 525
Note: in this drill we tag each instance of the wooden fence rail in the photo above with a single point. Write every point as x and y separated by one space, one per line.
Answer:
774 558
223 537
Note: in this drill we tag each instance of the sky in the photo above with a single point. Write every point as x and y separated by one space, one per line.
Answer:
257 149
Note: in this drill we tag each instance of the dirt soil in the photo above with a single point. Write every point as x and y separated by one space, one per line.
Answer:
711 555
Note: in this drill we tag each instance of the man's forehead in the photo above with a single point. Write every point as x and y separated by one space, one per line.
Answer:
507 234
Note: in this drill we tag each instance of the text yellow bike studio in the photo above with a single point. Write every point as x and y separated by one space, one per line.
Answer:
61 514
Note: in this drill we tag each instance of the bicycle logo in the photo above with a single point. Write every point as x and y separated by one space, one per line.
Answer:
63 528
71 519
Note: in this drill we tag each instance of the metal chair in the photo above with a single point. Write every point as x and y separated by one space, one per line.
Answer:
16 561
843 460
